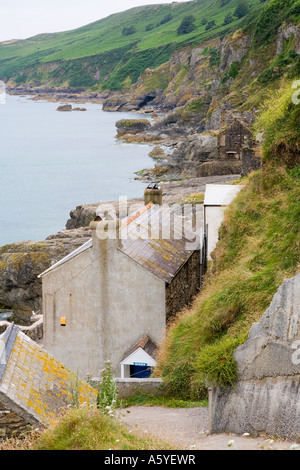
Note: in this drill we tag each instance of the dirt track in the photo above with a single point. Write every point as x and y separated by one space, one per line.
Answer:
186 429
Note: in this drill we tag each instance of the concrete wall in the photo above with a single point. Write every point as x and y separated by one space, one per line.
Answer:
214 217
267 395
132 387
109 302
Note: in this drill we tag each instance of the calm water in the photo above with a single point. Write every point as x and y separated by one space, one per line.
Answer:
53 161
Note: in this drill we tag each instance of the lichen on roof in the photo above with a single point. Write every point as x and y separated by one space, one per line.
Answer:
156 238
35 384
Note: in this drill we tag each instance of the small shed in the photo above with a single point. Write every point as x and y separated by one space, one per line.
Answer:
139 361
217 198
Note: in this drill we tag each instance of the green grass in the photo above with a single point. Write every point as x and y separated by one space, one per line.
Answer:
164 401
84 429
101 47
259 248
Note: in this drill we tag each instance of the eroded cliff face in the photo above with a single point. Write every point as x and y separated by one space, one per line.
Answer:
201 102
202 91
22 262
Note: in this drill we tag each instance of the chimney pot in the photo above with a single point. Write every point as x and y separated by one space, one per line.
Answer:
153 193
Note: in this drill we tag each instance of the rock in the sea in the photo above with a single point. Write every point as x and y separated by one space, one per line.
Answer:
132 126
65 107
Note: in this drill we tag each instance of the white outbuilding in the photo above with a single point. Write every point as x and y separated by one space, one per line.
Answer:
217 198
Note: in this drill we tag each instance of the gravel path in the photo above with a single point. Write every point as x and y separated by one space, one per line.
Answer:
187 429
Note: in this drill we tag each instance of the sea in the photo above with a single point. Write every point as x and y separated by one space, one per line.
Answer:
51 162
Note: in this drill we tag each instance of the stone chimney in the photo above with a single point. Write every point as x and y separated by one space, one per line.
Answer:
105 233
153 193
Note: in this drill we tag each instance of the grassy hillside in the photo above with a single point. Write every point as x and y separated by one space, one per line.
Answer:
259 247
119 47
260 238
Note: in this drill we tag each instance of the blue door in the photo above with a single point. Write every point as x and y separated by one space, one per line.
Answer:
140 372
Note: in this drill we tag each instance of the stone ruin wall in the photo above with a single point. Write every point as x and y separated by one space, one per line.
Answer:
11 424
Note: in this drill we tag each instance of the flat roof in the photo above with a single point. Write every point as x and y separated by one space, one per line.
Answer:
221 194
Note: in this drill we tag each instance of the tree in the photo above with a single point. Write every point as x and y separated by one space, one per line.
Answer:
228 19
166 19
128 31
210 25
242 9
187 25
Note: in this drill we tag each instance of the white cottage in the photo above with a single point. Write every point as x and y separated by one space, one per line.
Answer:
125 284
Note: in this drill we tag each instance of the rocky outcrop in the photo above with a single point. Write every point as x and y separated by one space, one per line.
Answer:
132 126
22 262
133 101
267 394
192 152
206 128
231 150
234 50
285 34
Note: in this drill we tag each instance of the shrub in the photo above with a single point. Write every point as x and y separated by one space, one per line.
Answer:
210 25
187 25
275 13
228 19
216 364
107 391
215 57
166 19
241 10
128 31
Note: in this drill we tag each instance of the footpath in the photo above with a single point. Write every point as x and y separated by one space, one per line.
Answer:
187 429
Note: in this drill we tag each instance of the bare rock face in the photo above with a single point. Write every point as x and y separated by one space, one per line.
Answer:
267 394
287 32
234 49
22 262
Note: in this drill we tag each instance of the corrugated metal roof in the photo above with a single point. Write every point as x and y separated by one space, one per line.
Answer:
156 238
220 194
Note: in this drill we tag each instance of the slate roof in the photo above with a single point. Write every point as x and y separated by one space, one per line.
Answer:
33 383
154 237
146 344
